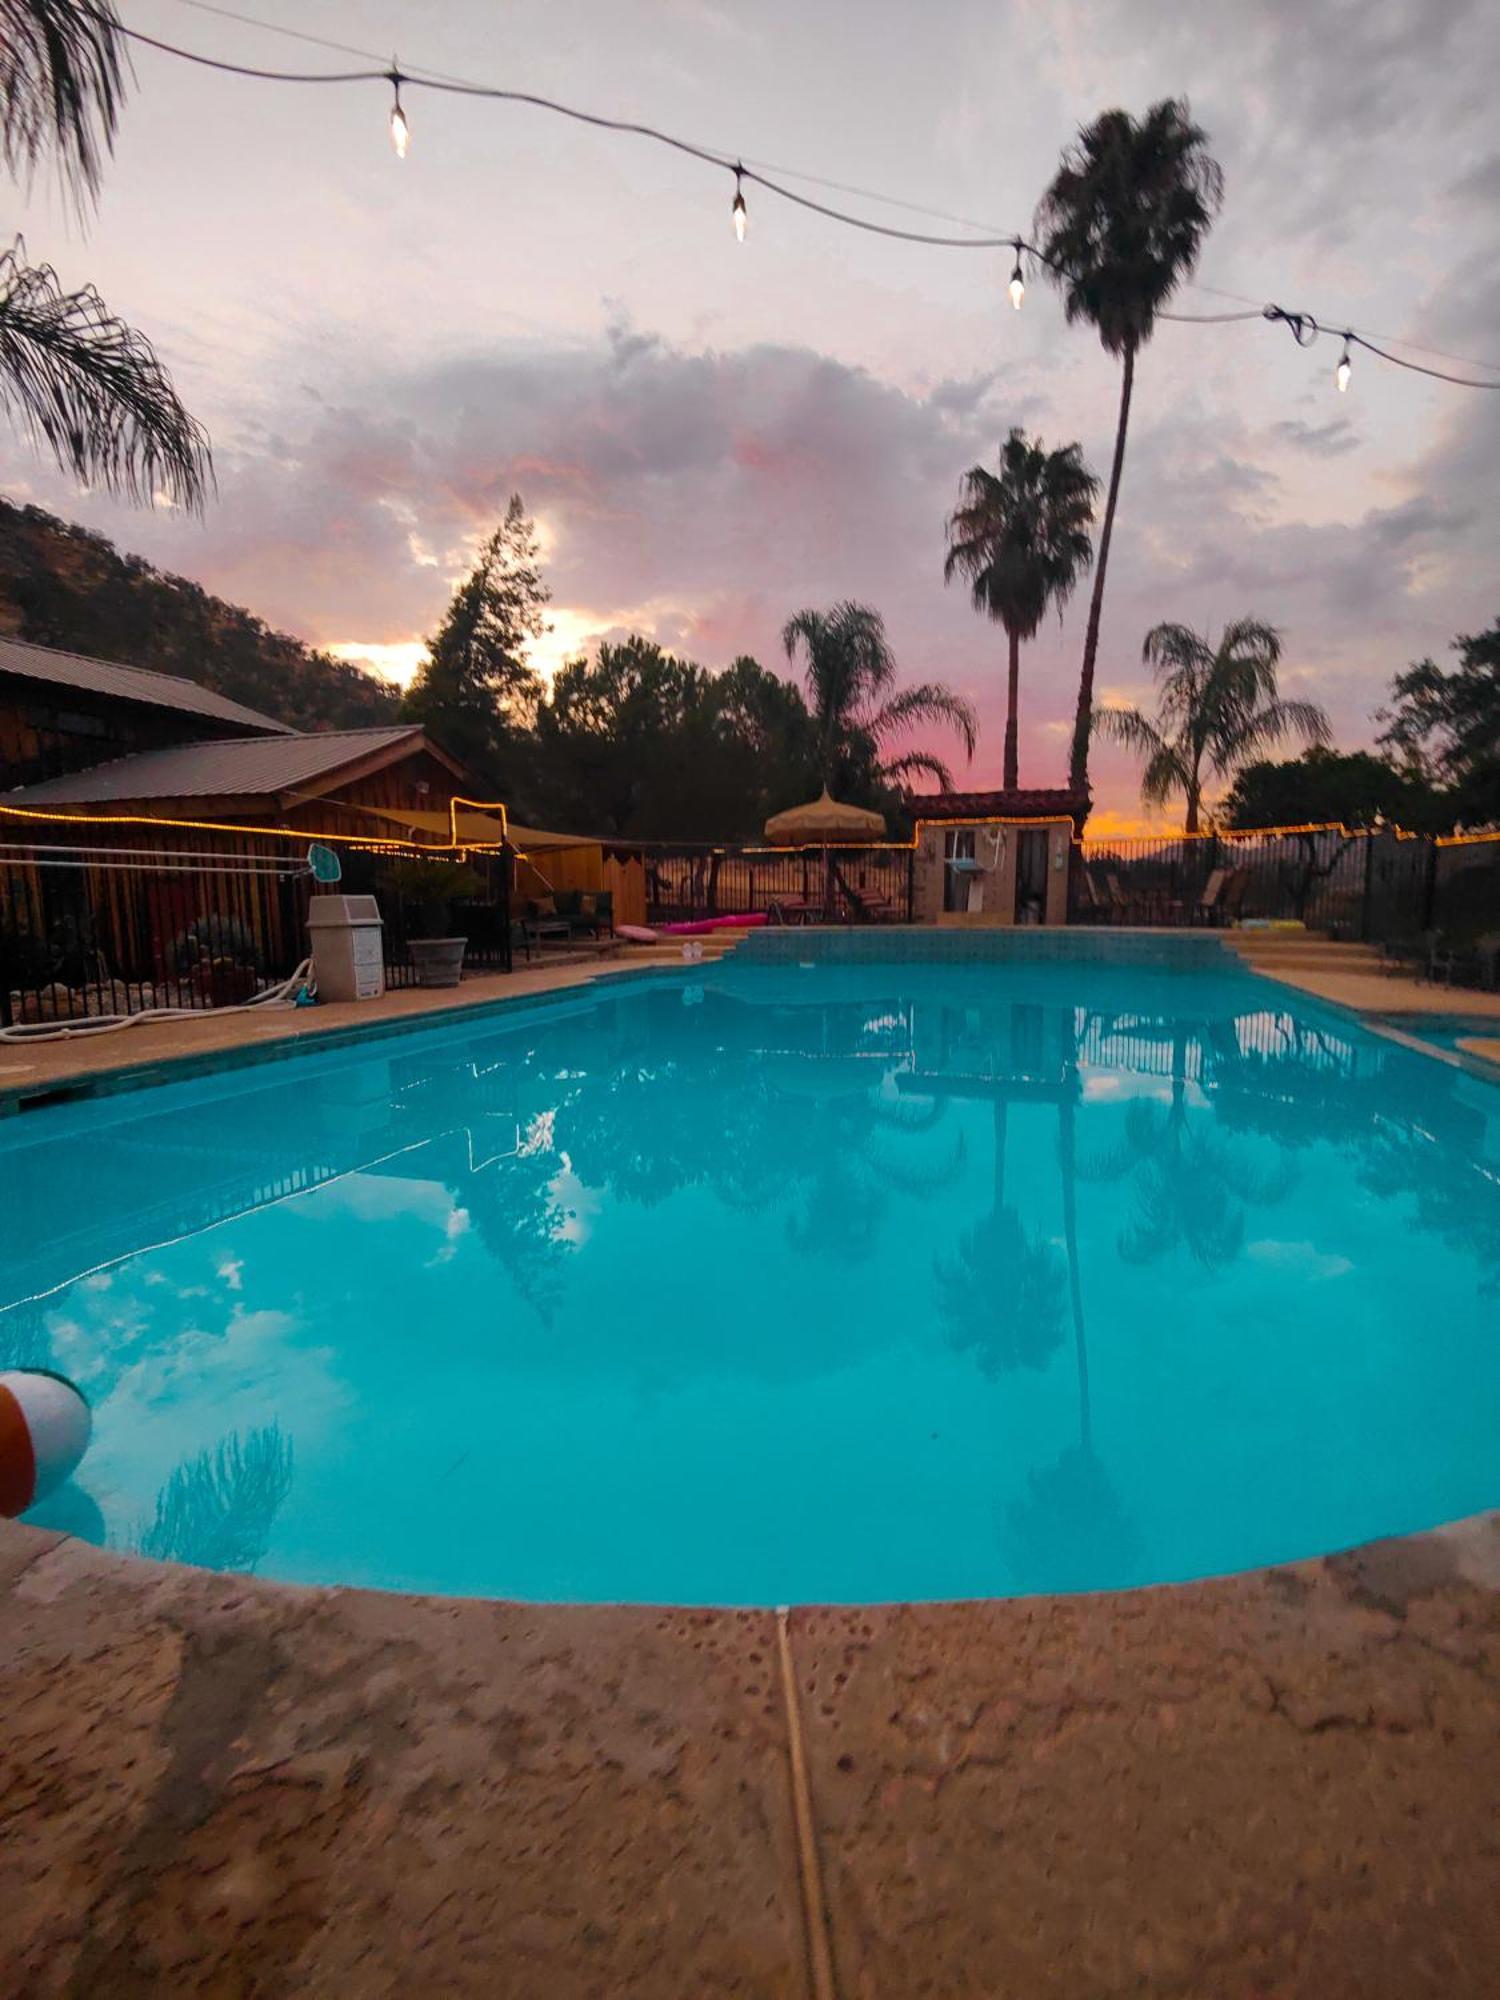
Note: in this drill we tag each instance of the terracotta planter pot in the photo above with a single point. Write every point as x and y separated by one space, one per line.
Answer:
439 961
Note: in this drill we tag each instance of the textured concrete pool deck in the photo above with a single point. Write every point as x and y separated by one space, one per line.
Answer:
45 1066
1276 1784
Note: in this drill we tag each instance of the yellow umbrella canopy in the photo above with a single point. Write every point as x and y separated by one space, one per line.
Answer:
824 820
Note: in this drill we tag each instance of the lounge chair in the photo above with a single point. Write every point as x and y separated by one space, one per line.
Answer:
1207 910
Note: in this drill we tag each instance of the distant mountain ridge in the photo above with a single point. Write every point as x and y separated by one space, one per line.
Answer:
66 586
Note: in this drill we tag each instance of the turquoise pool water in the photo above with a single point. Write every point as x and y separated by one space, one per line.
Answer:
779 1283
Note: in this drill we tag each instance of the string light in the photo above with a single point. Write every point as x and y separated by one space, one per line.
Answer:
1303 326
400 130
1341 373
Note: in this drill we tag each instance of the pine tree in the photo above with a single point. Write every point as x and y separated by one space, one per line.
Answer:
476 693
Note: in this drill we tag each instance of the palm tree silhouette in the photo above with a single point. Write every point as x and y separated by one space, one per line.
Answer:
1121 226
1217 706
1021 540
76 380
855 703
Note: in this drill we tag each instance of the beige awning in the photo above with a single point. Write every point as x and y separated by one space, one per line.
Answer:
824 819
475 829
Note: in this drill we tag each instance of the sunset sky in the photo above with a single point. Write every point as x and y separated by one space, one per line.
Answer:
713 435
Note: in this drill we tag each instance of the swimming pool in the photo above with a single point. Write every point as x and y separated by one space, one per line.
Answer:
775 1282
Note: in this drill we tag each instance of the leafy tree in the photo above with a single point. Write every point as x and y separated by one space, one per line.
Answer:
856 705
626 742
1021 540
638 742
476 691
1121 226
1446 726
1352 788
75 379
1216 706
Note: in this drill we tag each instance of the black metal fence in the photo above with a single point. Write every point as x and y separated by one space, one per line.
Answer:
1349 885
687 882
90 926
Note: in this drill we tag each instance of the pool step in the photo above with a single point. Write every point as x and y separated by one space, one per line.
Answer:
1304 951
668 950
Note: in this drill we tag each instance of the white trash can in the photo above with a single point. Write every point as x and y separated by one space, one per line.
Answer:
348 947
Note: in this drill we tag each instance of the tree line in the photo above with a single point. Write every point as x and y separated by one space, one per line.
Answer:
638 742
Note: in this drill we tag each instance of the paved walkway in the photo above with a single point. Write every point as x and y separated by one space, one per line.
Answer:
1276 1785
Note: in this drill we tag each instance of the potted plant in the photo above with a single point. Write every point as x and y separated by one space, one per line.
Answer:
218 954
429 889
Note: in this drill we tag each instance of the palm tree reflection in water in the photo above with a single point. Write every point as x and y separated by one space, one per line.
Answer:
218 1508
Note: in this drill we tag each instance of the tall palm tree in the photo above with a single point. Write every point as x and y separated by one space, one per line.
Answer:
1217 707
1120 228
1021 540
75 379
856 706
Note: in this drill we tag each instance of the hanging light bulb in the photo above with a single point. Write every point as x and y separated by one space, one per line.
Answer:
738 210
400 130
1017 286
1341 373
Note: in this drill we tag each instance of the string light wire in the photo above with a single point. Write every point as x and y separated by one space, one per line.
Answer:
1304 327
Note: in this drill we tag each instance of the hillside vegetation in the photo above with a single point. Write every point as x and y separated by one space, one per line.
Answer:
65 586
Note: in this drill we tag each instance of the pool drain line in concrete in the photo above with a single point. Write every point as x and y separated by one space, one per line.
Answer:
814 1909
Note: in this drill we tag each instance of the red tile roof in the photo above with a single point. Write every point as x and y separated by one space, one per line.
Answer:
1021 803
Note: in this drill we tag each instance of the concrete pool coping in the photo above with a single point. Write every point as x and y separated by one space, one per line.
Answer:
1279 1783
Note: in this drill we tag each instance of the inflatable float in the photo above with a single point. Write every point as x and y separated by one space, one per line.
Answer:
44 1432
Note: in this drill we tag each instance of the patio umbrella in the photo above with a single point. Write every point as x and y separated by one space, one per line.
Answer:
824 822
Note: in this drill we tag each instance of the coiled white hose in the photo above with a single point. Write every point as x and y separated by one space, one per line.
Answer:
106 1024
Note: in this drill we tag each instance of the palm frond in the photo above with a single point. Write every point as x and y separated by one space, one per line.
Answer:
1129 728
91 390
62 82
928 702
1269 726
918 764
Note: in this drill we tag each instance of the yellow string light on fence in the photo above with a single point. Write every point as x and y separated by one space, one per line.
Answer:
373 842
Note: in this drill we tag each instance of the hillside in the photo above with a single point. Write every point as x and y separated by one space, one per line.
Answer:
64 586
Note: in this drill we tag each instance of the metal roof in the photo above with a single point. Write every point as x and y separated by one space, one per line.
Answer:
108 677
237 766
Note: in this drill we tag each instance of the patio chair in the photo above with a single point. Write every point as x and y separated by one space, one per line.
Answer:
586 912
1121 909
1091 906
1412 954
1208 911
1474 964
1232 897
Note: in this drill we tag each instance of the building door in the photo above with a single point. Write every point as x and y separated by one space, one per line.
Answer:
1031 875
958 868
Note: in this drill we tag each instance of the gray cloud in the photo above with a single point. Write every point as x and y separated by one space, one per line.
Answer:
1328 440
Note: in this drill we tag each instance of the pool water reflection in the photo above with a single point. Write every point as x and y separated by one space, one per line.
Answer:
841 1283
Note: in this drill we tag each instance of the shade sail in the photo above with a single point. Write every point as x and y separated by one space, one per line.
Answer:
475 829
824 819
